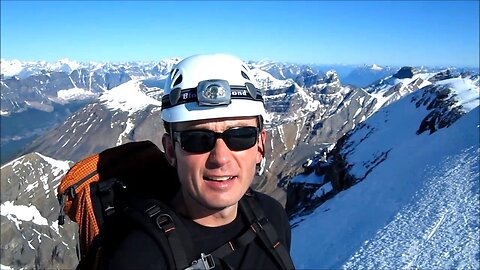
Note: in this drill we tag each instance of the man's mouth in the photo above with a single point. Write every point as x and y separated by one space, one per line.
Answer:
218 178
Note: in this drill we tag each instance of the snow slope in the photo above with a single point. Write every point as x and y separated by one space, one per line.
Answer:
417 209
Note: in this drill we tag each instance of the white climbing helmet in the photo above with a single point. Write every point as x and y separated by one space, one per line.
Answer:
210 86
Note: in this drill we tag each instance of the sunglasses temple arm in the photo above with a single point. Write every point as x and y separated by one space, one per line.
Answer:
172 135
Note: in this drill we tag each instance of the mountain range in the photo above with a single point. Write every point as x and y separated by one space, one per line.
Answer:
339 133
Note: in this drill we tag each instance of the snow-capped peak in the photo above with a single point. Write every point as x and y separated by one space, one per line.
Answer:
10 68
266 81
376 67
331 77
65 65
128 97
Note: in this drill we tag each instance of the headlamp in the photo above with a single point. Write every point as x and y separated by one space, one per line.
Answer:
213 92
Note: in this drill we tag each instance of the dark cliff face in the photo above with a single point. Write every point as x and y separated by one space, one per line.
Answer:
441 104
302 198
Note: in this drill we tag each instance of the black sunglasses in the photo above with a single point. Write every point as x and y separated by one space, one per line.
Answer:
204 140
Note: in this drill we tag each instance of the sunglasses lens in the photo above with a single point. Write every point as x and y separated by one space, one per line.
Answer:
197 141
239 139
202 141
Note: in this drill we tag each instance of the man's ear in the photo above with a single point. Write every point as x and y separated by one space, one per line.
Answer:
167 143
261 145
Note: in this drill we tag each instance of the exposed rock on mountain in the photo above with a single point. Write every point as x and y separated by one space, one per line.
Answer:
405 73
307 78
443 75
30 236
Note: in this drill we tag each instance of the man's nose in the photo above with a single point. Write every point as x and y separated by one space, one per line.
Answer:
220 154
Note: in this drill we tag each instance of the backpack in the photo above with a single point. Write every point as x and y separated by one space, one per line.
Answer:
122 184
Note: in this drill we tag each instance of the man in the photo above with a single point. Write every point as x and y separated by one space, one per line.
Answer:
213 116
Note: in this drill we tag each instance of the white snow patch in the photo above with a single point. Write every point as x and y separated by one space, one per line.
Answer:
59 166
75 94
19 213
5 267
128 128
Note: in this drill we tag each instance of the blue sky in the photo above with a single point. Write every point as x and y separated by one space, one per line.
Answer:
432 33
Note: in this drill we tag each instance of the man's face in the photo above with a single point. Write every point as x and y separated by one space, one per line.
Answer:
217 179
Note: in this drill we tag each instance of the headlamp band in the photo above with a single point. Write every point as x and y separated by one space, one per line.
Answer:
223 96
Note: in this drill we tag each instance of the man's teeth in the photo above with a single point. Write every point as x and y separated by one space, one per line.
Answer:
223 178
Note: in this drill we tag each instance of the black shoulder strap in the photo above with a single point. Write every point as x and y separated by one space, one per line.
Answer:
265 230
164 227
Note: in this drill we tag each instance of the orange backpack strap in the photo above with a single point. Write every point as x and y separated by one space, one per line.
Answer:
137 165
73 192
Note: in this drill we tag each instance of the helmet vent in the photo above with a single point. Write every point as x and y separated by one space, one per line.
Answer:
244 75
178 80
173 73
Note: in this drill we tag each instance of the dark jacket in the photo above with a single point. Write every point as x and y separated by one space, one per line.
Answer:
138 251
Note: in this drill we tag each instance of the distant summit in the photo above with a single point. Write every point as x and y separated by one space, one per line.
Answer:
375 67
405 73
367 74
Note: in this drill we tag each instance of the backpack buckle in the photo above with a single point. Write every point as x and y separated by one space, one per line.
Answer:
204 262
165 222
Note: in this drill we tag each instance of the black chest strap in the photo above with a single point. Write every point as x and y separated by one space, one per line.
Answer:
236 243
265 230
